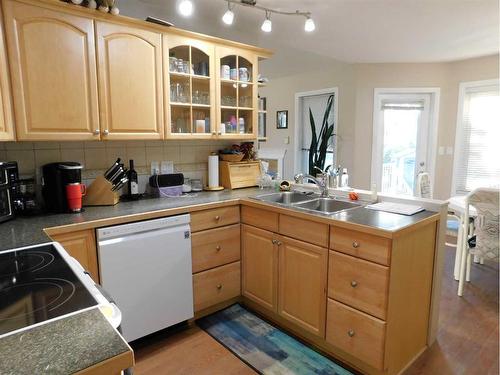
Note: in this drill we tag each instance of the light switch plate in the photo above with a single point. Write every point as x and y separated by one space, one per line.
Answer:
441 150
286 140
449 150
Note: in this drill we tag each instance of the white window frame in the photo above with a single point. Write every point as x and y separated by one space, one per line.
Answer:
297 165
462 88
378 135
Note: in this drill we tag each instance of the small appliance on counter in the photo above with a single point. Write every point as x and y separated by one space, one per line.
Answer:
167 185
56 176
9 177
25 200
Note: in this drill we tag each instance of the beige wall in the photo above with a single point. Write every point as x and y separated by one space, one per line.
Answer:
281 96
356 84
446 76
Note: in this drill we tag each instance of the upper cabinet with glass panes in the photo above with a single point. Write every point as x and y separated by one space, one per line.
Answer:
191 88
236 93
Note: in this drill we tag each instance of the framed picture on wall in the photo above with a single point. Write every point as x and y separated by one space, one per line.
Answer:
282 120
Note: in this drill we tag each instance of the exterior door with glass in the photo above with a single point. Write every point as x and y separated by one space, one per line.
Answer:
400 145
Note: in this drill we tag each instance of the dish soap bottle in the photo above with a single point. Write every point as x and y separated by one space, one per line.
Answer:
344 179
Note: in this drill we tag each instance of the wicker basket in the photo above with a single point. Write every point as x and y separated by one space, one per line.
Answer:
232 157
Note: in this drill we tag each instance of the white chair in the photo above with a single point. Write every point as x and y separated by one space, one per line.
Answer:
486 229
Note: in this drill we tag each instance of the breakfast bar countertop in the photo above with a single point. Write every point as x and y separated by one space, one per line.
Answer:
26 231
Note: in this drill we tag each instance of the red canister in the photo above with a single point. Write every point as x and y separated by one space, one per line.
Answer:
74 193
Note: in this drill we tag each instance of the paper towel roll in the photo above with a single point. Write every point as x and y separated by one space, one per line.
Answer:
213 171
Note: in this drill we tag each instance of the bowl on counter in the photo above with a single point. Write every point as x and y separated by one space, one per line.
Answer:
232 157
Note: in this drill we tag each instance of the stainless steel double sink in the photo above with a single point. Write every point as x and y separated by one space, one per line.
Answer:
308 202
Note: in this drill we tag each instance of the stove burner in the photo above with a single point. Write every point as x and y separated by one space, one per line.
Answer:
32 261
60 292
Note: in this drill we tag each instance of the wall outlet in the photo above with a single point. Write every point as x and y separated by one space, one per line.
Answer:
441 150
286 140
449 150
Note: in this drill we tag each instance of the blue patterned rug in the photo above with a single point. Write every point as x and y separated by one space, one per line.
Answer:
263 347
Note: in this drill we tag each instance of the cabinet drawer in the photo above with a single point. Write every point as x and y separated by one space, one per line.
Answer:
366 246
356 333
259 218
215 247
358 283
217 285
305 230
217 217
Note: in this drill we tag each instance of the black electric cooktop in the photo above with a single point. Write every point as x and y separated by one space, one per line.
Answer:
37 284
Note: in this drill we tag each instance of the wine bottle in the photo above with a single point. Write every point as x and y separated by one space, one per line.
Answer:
133 186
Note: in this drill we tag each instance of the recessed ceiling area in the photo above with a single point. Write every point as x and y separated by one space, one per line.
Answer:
364 31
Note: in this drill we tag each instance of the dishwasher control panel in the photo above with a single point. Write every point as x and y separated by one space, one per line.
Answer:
143 226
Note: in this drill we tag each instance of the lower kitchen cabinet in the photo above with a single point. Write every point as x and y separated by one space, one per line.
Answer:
286 276
259 255
302 284
216 285
81 246
356 333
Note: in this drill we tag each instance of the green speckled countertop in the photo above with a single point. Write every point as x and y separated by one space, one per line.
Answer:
62 346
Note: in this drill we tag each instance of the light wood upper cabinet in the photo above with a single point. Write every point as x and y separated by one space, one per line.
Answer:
130 82
52 62
302 284
81 245
189 78
236 93
259 266
6 120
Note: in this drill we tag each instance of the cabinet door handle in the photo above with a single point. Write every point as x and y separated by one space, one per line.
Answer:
355 244
214 133
354 283
105 132
279 243
219 287
351 333
97 132
275 242
217 218
217 247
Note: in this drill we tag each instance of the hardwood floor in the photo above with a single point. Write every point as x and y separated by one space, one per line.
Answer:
467 340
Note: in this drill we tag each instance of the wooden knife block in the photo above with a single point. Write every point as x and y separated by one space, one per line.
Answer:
242 174
99 193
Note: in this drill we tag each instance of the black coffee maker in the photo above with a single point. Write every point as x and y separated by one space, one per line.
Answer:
55 178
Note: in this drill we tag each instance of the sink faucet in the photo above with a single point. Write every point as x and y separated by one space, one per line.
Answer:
320 182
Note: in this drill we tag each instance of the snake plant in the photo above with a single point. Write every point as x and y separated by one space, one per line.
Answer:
321 141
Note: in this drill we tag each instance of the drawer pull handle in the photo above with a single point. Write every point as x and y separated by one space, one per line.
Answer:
354 283
219 287
351 333
217 218
355 244
218 248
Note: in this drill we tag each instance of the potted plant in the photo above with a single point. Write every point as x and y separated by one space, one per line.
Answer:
320 141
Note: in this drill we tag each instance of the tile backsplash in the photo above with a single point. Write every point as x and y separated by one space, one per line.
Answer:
189 157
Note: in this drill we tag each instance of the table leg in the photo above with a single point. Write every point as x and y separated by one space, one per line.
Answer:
458 254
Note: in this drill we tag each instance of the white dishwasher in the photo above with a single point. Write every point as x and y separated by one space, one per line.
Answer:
146 268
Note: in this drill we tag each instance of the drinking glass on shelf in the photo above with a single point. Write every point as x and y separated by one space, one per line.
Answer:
205 98
172 64
173 92
197 98
185 67
180 65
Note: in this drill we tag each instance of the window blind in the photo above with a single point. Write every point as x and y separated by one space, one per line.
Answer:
478 146
417 105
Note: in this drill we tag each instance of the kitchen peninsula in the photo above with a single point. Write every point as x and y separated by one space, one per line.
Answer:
378 251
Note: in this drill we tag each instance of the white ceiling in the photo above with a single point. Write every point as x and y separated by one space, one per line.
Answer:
356 31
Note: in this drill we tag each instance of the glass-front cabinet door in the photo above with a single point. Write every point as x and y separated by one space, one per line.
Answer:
190 86
236 94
